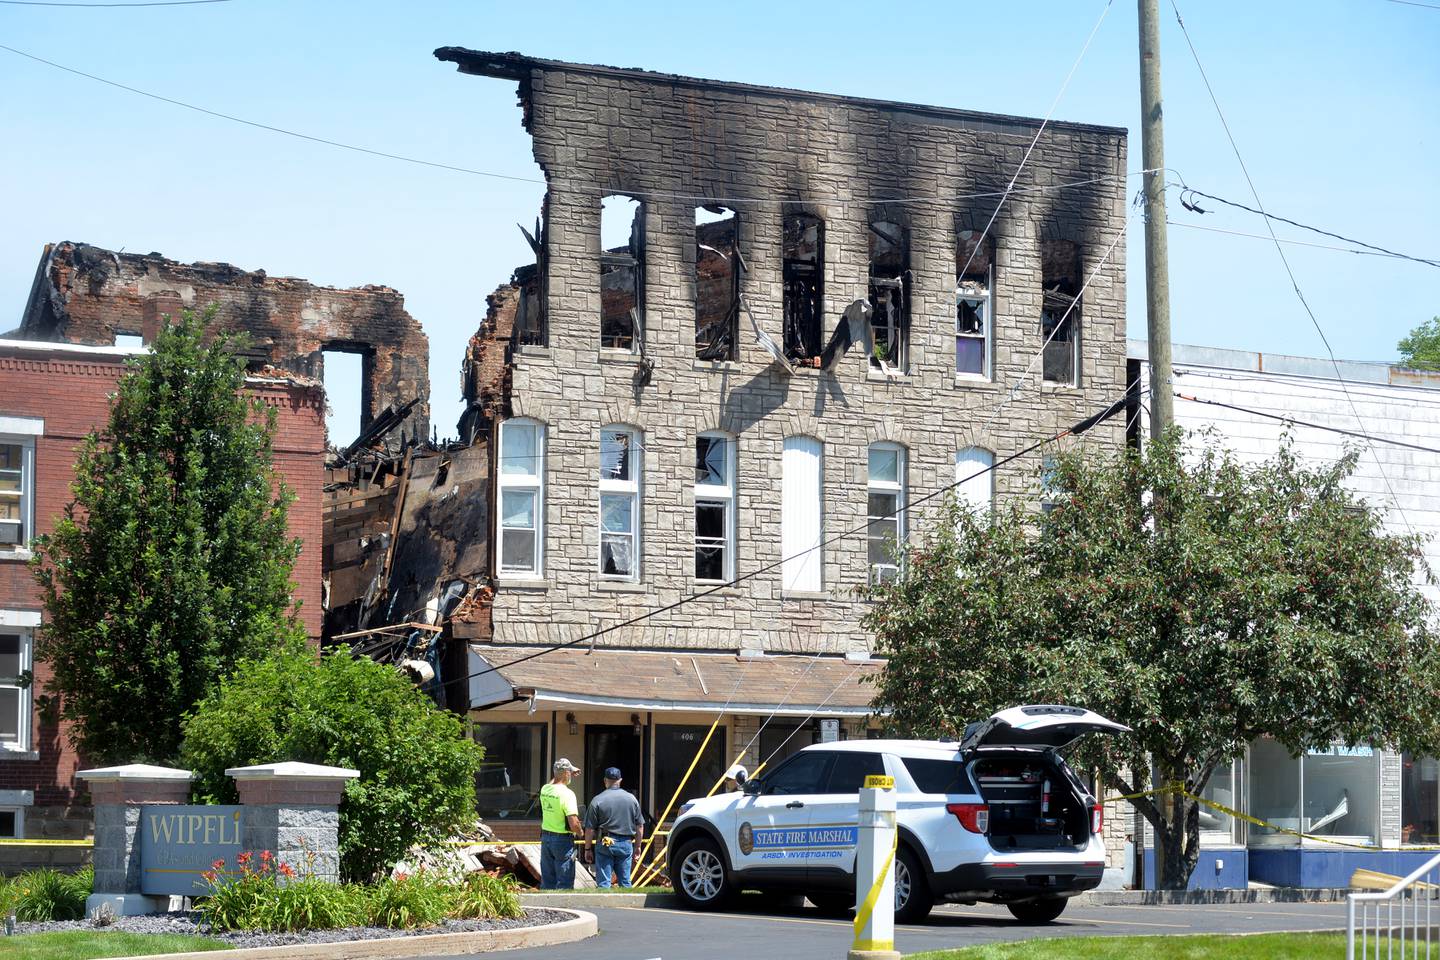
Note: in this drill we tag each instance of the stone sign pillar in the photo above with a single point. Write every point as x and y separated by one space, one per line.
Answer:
118 793
293 810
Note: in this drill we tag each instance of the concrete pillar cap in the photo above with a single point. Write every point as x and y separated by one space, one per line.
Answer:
291 770
133 772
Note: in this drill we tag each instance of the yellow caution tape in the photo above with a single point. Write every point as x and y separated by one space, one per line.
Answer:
22 842
862 915
1256 821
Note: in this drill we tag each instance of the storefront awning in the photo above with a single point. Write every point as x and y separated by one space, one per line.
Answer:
636 680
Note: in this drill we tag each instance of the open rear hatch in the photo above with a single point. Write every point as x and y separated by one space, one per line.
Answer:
1033 801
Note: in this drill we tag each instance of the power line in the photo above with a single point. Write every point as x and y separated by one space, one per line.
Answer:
1296 223
650 194
150 3
1416 3
1286 261
1298 243
1030 149
1312 425
1075 429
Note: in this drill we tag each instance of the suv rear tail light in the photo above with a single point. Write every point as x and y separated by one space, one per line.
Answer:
974 817
1097 819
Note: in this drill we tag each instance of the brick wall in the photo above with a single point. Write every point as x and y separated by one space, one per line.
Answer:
599 132
71 393
84 294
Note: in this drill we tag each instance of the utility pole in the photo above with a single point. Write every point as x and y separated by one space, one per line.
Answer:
1157 262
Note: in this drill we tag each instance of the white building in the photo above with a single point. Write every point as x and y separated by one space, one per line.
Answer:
1358 796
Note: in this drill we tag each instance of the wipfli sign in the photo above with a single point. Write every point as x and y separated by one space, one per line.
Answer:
179 843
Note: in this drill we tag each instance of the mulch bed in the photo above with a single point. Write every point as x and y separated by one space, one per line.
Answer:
190 923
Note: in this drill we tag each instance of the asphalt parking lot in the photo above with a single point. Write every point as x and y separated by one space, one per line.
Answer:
801 933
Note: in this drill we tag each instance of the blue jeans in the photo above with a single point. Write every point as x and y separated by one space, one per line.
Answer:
616 857
557 861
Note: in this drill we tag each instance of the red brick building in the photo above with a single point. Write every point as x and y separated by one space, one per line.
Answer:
51 395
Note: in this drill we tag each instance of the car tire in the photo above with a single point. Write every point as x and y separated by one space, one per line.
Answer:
913 898
1038 911
832 903
698 876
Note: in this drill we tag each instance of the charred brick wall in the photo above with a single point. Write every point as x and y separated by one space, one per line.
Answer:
677 143
84 294
72 396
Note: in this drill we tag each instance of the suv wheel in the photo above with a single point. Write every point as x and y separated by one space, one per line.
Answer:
697 875
1038 911
913 899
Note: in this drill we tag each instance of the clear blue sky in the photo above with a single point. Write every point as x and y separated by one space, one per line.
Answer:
1334 104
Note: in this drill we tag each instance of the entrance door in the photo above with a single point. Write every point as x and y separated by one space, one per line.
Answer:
612 746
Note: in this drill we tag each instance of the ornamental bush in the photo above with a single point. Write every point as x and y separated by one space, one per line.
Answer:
417 765
37 896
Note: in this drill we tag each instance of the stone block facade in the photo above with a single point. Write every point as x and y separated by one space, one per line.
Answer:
676 143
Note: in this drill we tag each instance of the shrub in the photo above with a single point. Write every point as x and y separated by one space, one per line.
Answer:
483 897
417 766
411 900
264 896
41 895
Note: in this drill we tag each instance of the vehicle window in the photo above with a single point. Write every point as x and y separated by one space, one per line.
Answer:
850 770
938 776
802 773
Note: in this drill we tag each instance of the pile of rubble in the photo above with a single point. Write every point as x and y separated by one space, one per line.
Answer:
477 851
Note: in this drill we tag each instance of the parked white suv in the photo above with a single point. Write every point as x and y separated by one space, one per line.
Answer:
998 817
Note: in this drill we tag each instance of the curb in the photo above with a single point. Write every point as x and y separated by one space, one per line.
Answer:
582 925
588 900
1140 898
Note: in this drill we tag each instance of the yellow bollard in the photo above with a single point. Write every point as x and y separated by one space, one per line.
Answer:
875 872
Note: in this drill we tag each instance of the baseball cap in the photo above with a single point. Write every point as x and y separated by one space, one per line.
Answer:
563 764
612 773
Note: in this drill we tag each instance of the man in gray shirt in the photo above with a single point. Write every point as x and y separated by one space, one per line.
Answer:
614 827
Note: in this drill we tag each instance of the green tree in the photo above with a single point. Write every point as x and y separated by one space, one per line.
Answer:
1420 348
172 562
417 766
1200 601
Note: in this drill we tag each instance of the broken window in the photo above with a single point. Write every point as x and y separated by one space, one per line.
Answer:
622 273
714 507
717 282
974 279
802 271
1060 310
889 293
619 503
521 496
886 512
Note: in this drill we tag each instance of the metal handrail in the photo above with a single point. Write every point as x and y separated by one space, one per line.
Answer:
1392 894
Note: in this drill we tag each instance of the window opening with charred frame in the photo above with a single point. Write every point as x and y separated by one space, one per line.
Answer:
1060 311
718 267
803 272
714 507
890 293
974 303
622 273
619 502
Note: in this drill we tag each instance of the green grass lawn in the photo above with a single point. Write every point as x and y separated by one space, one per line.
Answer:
1265 946
87 944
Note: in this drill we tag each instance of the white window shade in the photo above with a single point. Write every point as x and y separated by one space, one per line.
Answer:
975 488
802 516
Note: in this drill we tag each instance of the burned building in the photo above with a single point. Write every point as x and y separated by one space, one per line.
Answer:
86 295
760 325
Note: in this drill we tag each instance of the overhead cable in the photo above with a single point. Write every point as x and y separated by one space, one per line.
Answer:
1291 240
1297 223
1030 149
143 3
646 194
1285 418
1294 283
1077 428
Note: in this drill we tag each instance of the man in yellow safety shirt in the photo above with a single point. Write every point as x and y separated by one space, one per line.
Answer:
559 827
